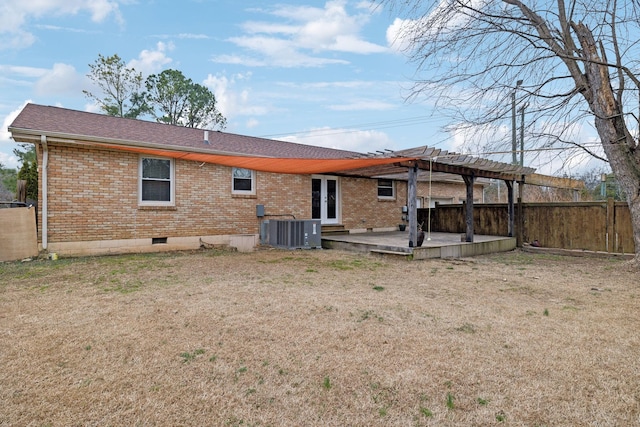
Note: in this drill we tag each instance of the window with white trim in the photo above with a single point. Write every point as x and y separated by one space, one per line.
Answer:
386 189
156 181
244 181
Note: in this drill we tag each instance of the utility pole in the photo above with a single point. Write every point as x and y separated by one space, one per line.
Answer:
514 146
522 133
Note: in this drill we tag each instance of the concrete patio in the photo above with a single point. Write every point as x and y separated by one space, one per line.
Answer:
435 245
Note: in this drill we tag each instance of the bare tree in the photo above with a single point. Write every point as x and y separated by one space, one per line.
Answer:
574 60
121 87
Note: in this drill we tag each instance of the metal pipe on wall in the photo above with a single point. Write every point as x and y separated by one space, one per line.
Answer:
45 165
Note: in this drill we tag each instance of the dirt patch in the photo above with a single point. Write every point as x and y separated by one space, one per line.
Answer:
319 338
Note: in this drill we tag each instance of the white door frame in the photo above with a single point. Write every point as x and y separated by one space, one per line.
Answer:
326 199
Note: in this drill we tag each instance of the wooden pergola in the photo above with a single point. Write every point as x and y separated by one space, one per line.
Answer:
443 163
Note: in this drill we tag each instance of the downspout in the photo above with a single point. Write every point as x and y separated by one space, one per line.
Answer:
45 164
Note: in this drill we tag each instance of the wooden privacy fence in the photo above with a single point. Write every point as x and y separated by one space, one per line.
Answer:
18 237
594 226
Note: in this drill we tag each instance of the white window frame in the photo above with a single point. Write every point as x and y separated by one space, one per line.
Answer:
253 182
393 189
172 183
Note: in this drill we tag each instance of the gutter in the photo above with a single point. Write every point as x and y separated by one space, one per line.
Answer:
68 138
45 173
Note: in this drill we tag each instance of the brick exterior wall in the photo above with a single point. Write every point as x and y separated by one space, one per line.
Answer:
93 196
362 209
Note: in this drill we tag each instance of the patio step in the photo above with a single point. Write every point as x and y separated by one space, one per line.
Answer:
395 254
333 229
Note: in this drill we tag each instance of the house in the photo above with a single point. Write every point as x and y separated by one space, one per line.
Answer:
115 185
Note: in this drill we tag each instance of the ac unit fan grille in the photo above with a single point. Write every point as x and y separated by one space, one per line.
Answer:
295 234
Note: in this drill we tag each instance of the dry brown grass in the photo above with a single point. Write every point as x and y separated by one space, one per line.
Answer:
319 338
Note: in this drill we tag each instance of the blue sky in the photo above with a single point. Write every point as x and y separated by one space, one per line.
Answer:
311 71
315 72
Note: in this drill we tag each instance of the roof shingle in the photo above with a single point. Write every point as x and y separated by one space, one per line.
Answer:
90 126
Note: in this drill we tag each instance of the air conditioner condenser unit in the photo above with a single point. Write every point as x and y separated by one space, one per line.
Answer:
293 233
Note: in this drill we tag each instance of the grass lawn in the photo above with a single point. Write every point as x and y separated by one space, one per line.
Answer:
319 338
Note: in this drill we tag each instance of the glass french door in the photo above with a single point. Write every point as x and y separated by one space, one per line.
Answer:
325 204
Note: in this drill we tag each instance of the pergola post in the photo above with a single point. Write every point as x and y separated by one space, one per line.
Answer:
462 165
510 207
412 192
520 230
469 180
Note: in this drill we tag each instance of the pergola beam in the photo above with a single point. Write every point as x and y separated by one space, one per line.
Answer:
552 181
462 170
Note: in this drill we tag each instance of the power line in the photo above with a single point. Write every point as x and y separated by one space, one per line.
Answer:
532 150
409 121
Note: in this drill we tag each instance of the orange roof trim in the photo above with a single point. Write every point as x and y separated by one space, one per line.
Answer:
269 164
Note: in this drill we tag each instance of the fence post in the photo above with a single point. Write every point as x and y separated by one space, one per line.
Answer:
611 225
21 191
510 208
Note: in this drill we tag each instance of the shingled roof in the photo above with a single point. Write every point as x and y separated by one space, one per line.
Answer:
62 122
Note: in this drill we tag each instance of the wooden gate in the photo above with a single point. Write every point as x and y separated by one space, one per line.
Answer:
18 235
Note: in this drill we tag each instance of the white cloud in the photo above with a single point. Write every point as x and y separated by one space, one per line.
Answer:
569 161
23 71
333 29
152 61
274 52
17 15
352 44
226 100
255 27
282 58
93 107
16 40
239 60
62 78
398 34
65 29
191 36
251 123
8 161
361 141
364 105
6 143
307 32
232 102
360 85
443 18
371 7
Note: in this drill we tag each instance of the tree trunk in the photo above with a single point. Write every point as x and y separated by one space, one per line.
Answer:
619 146
625 168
